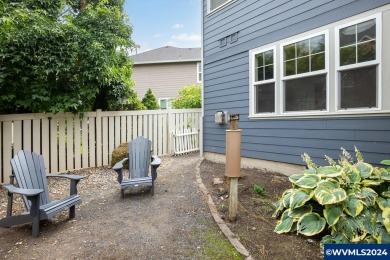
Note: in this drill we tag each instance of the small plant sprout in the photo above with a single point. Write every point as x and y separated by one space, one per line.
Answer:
259 189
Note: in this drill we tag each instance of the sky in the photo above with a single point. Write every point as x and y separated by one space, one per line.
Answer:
158 23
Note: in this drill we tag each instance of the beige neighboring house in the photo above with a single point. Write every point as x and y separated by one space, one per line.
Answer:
166 70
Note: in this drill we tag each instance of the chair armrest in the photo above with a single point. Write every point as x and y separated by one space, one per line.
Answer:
67 176
26 192
156 161
74 180
118 167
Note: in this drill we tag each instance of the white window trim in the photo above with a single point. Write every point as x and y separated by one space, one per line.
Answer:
209 12
377 61
304 75
199 72
159 101
254 83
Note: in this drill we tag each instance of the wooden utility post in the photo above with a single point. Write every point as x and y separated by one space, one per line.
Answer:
233 163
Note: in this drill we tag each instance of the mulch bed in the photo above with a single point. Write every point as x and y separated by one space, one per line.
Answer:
254 225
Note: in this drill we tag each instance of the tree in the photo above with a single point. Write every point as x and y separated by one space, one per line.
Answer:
149 101
189 97
64 56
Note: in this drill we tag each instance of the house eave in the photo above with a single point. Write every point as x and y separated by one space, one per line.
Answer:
166 61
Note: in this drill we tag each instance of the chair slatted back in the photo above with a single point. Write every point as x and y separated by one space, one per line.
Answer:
139 157
30 173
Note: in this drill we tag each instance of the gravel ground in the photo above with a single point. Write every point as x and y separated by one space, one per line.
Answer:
175 223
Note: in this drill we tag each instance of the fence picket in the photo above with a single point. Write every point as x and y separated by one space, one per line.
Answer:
53 146
45 141
92 144
17 136
61 144
77 143
84 143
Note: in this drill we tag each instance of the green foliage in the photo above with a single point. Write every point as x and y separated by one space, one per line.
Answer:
189 97
120 153
64 56
149 101
349 199
259 189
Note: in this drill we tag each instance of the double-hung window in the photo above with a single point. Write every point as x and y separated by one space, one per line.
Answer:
199 72
214 5
264 81
358 64
305 74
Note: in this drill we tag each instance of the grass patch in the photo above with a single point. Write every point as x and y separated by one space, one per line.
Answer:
215 246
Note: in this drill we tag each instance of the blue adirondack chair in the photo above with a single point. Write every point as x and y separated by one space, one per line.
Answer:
139 159
29 170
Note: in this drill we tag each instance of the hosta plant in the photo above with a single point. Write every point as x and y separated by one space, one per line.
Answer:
348 201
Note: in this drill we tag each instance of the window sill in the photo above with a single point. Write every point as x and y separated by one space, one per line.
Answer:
354 113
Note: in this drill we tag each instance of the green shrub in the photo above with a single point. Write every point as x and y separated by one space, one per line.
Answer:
259 189
119 154
348 200
189 97
149 101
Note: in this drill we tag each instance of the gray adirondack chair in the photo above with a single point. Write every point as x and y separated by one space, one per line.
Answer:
139 159
29 170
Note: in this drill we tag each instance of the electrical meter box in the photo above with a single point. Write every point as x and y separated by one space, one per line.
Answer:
221 117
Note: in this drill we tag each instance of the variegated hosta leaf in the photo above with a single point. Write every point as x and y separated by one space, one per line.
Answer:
369 196
376 174
386 218
300 211
309 172
286 197
354 176
300 197
352 205
329 192
329 171
353 229
332 213
311 224
293 178
285 223
369 218
383 203
367 182
386 194
369 240
308 181
279 208
385 162
365 169
381 235
384 174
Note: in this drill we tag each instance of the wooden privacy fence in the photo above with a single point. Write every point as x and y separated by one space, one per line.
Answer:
69 142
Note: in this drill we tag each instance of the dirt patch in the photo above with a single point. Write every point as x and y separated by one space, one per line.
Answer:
254 225
175 223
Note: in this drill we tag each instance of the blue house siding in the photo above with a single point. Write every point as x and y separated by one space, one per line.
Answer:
226 84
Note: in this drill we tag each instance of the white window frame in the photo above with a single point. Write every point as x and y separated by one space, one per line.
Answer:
254 83
199 72
303 75
160 99
209 11
377 61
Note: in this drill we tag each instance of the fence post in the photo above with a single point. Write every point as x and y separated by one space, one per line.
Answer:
99 137
169 127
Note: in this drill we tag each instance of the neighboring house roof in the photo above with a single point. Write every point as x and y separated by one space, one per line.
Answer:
168 54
